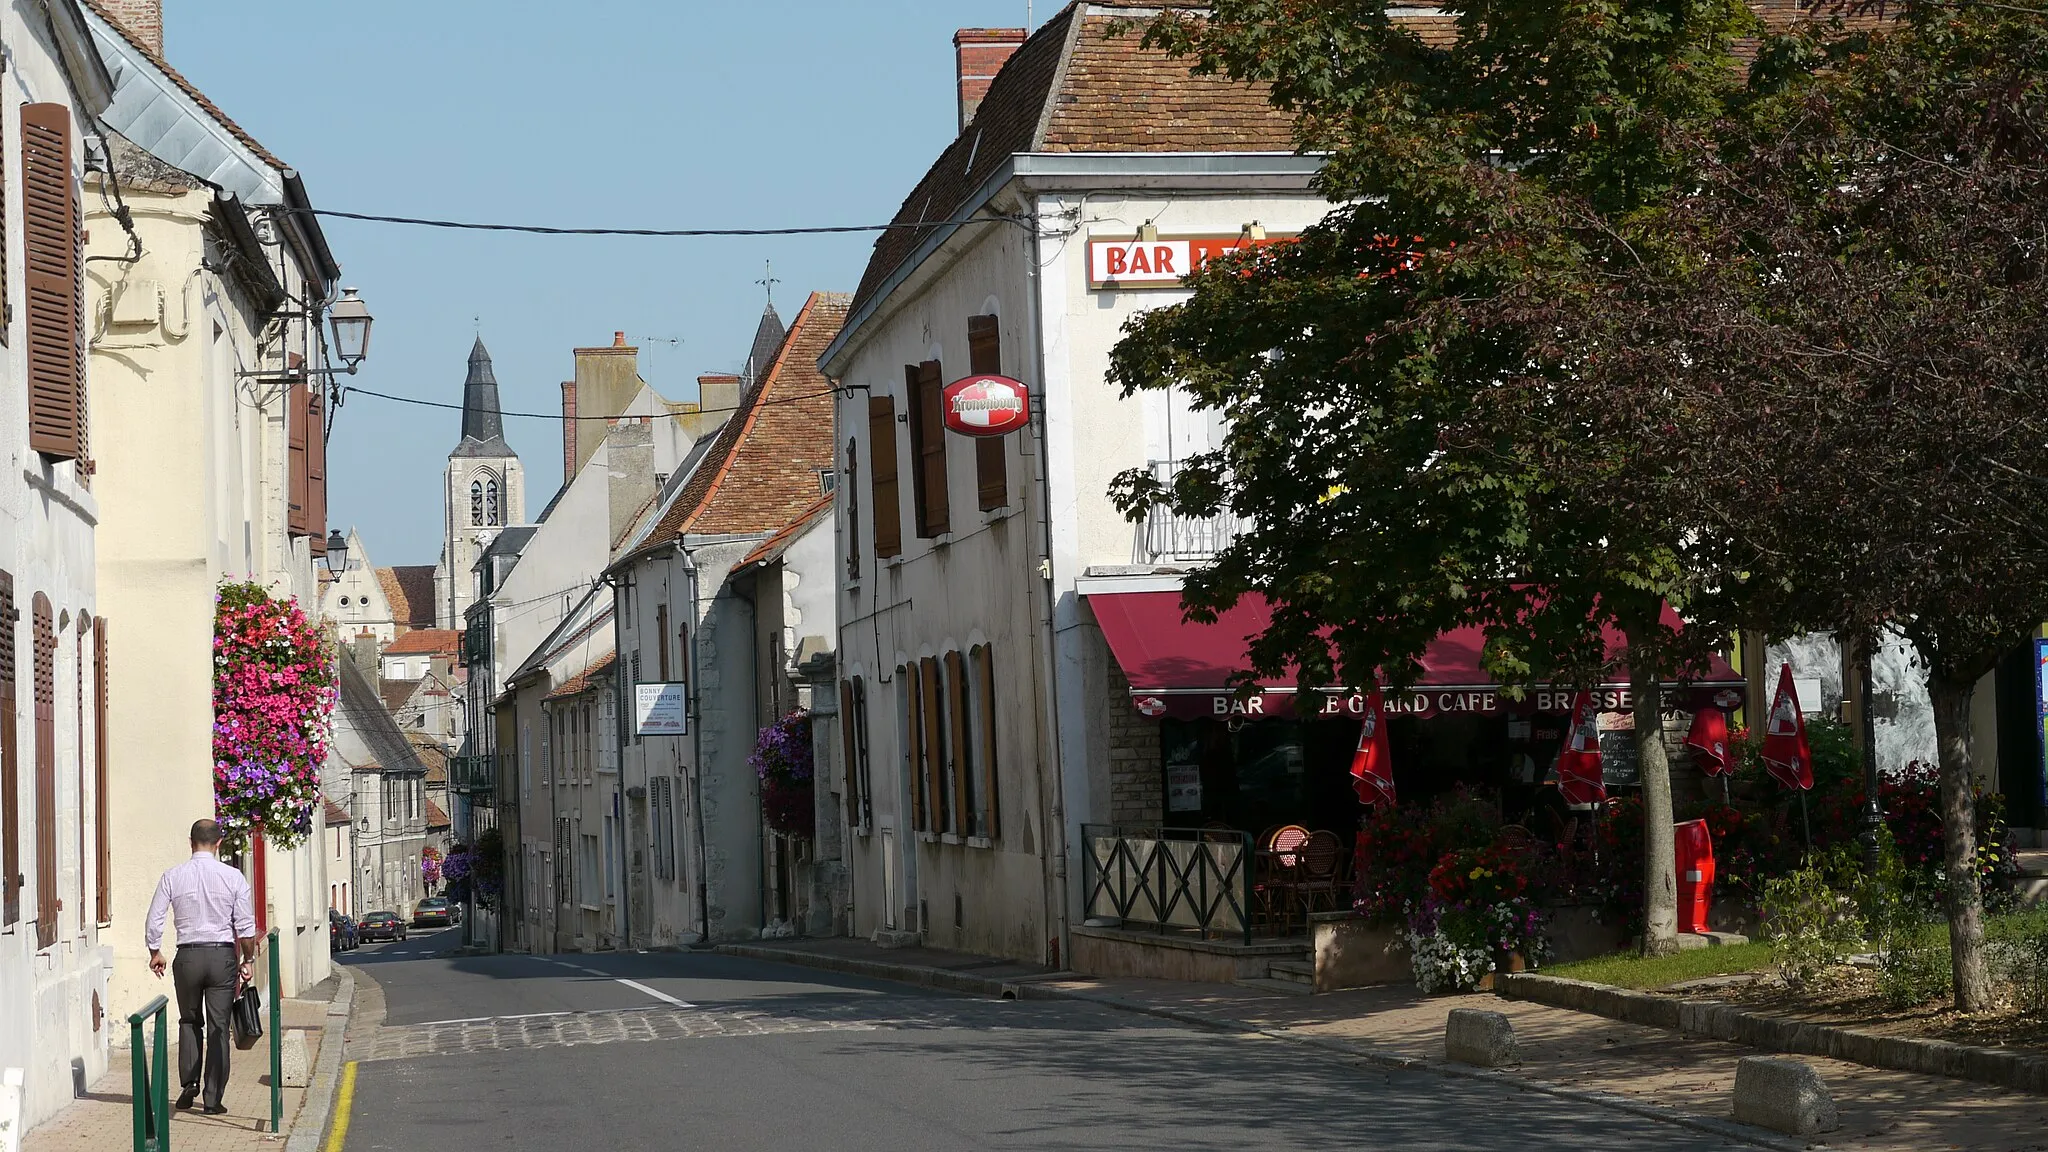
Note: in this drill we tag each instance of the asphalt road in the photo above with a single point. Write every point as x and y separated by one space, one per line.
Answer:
684 1051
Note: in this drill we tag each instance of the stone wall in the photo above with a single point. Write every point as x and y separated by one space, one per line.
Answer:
1136 788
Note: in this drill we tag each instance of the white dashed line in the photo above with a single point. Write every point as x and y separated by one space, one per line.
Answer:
661 996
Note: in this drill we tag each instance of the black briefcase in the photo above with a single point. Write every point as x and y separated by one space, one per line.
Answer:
247 1017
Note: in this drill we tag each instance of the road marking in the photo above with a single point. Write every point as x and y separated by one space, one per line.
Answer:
484 1019
342 1101
637 986
592 972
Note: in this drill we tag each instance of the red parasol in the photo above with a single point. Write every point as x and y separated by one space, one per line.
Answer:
1372 768
1709 741
1578 763
1786 753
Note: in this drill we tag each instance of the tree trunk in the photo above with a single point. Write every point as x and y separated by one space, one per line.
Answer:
1959 843
1660 856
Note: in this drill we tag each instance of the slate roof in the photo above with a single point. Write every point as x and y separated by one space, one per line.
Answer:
363 710
187 87
768 336
483 425
409 589
762 470
395 693
426 642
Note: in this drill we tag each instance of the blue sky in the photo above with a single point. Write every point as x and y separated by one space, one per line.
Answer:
629 113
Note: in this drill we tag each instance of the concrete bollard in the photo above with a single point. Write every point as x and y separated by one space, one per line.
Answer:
1483 1038
1784 1095
298 1070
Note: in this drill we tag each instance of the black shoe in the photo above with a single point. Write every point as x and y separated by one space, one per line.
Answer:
186 1097
215 1110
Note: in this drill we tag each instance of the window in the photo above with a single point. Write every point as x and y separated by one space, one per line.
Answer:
10 763
985 358
589 745
931 702
491 512
476 502
46 772
526 757
928 448
963 785
590 875
888 513
827 481
661 638
853 732
851 525
564 873
551 735
57 423
983 683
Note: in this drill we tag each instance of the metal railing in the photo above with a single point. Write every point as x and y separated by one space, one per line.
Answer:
1194 879
476 775
276 1036
150 1076
1166 536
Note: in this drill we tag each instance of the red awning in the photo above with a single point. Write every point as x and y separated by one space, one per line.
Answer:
1182 669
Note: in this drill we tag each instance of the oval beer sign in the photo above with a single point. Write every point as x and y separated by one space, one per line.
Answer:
986 405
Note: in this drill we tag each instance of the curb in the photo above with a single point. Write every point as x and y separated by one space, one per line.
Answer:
1716 1020
309 1128
1036 989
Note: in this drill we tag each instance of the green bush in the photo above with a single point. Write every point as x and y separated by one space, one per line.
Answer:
1807 923
2019 943
1900 921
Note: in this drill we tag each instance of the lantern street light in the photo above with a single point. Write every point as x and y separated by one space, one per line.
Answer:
350 318
337 552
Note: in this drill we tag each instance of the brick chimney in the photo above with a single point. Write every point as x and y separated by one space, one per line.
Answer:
568 432
142 19
980 53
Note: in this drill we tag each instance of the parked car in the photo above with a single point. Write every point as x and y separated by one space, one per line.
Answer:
341 933
380 926
432 913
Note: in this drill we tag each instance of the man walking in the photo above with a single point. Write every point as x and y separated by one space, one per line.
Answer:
216 929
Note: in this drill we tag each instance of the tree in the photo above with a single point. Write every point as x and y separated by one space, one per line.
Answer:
1834 351
1387 501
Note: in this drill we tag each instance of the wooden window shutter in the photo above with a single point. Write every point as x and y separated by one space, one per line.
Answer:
850 525
102 819
991 453
6 296
56 379
661 630
985 669
10 762
297 449
934 744
846 738
913 744
46 772
316 468
860 764
928 444
961 762
885 493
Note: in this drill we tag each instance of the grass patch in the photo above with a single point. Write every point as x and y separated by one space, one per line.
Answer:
1632 970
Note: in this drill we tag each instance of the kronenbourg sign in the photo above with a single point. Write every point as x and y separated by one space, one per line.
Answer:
986 405
660 710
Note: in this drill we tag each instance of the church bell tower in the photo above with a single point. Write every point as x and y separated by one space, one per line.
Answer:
484 491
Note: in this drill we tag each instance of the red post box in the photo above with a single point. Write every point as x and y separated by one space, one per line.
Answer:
1695 847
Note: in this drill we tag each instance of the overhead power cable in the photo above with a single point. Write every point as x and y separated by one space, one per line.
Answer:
549 230
352 389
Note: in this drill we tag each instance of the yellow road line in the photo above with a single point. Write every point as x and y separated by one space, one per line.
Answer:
337 1135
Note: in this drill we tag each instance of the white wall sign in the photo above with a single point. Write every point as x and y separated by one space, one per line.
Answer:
660 710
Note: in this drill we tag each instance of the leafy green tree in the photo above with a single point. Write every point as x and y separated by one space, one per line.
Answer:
1483 184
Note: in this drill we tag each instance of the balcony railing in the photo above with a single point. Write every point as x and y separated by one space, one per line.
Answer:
472 775
1165 537
1195 879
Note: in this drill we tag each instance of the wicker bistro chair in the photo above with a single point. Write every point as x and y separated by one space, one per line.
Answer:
1319 885
1277 875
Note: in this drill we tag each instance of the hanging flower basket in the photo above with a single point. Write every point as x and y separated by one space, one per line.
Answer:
273 694
782 759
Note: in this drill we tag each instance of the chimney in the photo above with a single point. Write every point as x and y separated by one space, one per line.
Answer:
141 19
568 432
607 379
365 654
629 459
980 53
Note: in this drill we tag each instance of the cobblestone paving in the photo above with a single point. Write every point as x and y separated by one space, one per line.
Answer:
641 1025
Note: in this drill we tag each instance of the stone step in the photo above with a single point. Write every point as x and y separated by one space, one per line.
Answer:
1279 987
1303 971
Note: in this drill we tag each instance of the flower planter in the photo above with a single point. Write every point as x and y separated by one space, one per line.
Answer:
1352 952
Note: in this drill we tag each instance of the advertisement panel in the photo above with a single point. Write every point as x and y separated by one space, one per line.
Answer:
661 710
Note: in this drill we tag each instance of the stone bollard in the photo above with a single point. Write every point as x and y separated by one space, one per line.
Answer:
298 1070
1784 1095
1482 1038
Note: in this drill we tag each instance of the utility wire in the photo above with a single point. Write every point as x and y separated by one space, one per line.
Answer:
558 416
545 230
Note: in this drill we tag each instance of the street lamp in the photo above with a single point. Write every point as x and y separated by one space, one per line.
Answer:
351 320
337 552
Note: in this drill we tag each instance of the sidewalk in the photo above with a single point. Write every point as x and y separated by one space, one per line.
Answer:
103 1120
1568 1052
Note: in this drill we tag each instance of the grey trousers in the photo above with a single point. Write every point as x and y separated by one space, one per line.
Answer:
205 980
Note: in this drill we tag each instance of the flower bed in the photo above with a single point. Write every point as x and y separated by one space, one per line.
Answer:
273 692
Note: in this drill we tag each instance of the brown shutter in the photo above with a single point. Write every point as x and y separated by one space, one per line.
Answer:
913 746
934 744
887 498
928 447
102 821
10 763
991 453
661 630
316 468
297 407
6 295
56 382
46 773
851 506
846 754
986 669
958 765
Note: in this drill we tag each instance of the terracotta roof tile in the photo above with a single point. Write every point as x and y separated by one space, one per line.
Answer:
410 589
396 692
763 470
435 817
336 814
580 683
775 545
188 88
426 642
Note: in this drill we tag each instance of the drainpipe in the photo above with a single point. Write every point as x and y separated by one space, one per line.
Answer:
696 715
621 672
1047 651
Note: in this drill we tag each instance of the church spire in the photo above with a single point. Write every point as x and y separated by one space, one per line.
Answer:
483 425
